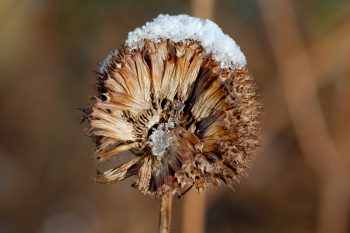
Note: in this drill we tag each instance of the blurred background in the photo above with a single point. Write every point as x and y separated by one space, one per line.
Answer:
299 53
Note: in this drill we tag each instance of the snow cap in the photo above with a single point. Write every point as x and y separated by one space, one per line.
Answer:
183 27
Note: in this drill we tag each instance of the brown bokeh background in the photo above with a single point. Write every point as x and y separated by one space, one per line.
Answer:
299 52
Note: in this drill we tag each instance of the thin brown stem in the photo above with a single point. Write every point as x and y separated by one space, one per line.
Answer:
165 213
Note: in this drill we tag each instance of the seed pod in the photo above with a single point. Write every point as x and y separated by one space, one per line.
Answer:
179 97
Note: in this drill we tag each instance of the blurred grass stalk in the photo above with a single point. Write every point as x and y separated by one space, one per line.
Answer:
326 58
193 216
303 104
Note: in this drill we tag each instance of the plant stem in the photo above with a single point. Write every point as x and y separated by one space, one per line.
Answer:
165 213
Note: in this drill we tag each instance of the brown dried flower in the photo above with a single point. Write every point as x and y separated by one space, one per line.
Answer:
188 118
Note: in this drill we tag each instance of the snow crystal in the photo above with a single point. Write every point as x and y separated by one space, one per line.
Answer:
104 64
159 142
159 139
181 27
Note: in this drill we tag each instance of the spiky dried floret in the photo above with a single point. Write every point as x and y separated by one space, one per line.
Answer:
188 121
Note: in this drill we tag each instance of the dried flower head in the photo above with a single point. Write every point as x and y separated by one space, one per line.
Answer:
178 96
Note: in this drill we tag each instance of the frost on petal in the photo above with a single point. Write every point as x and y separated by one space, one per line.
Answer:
106 61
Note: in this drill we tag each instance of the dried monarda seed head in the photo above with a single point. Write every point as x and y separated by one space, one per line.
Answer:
179 97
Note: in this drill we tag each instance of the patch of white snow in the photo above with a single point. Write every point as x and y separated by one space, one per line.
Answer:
159 139
159 142
183 27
